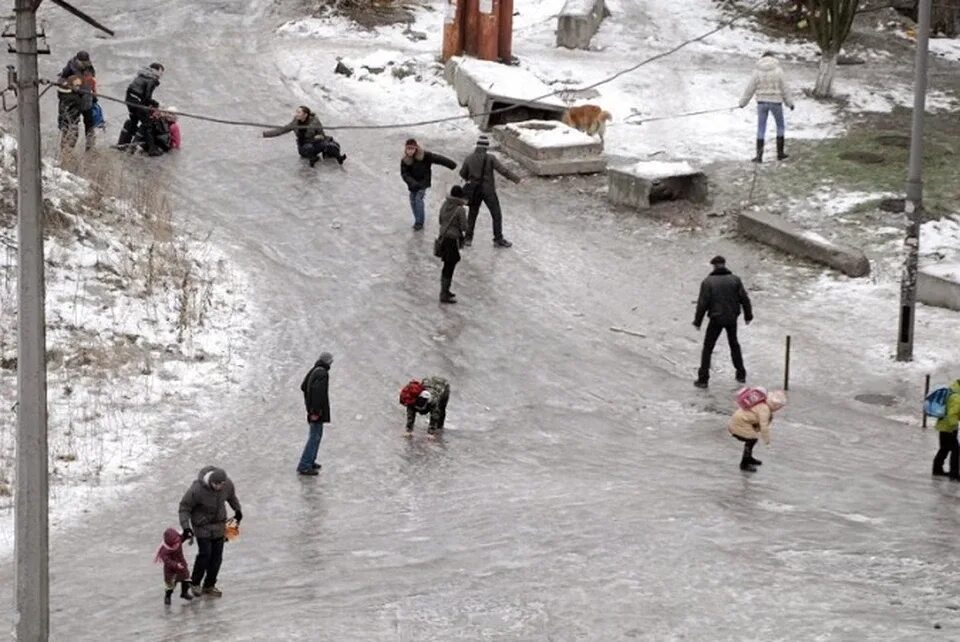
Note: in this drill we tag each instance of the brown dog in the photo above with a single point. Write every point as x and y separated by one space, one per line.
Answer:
589 119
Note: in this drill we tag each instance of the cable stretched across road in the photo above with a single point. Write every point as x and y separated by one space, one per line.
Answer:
435 121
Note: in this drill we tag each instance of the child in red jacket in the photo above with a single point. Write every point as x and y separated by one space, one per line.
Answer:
170 554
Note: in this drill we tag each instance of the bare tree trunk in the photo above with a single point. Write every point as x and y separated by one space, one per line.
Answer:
828 68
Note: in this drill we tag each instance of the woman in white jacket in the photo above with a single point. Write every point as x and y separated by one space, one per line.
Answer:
771 91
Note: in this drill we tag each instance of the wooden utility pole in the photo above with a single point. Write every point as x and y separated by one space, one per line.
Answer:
452 30
471 26
31 530
489 24
506 30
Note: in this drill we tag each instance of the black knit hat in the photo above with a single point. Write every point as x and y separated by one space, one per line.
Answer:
718 260
456 191
83 56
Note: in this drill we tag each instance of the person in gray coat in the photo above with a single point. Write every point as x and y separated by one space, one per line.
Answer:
453 230
478 172
203 515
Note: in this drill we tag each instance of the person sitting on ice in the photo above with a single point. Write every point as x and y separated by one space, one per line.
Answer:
159 129
312 142
429 395
170 554
752 420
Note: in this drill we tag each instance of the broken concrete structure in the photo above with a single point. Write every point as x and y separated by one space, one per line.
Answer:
939 285
578 21
647 182
548 148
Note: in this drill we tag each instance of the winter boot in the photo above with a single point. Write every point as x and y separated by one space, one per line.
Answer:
754 461
313 160
502 242
166 596
700 383
741 377
759 157
780 154
185 590
445 296
212 591
747 466
938 471
341 158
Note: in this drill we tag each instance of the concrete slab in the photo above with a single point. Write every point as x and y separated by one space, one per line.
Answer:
578 21
548 148
775 231
939 285
483 86
645 182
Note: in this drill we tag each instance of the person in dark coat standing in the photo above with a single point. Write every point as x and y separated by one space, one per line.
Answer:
478 172
316 398
139 99
453 230
76 103
312 143
203 515
415 170
722 295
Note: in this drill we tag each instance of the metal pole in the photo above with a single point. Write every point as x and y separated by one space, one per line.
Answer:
786 366
926 393
31 534
914 201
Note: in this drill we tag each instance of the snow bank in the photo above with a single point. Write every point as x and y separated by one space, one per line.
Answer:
146 330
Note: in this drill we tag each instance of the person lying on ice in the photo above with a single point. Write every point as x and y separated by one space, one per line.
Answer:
312 142
749 424
430 395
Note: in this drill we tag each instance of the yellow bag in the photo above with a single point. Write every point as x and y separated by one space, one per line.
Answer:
232 530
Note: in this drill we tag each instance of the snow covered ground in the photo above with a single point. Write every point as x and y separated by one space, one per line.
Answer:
146 331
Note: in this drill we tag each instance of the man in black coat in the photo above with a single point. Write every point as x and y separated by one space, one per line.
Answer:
316 398
139 99
203 515
77 104
415 170
721 296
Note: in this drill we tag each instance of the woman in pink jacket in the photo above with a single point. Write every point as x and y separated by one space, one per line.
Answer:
750 425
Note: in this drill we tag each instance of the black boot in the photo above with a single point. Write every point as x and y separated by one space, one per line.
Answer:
747 466
341 158
780 154
938 471
185 590
166 596
445 296
759 157
755 462
313 160
701 383
747 462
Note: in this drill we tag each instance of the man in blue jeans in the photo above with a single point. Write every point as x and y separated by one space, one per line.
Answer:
315 388
772 93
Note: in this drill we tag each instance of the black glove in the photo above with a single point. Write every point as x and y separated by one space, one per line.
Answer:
186 534
237 515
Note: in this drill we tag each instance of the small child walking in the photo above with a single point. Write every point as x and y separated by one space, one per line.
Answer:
750 424
170 554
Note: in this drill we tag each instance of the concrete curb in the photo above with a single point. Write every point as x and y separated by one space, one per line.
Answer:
939 285
777 232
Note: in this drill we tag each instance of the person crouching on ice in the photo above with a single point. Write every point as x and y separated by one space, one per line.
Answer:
170 554
750 425
432 399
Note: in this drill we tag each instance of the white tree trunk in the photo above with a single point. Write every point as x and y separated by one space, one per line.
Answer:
828 69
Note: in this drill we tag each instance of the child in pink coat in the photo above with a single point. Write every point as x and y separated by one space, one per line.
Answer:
750 425
170 554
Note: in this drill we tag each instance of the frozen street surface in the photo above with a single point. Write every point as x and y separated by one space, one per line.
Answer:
584 490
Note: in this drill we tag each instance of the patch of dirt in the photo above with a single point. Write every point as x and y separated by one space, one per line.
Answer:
367 13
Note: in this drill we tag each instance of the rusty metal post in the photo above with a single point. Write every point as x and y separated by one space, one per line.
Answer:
926 393
506 31
471 26
452 30
489 48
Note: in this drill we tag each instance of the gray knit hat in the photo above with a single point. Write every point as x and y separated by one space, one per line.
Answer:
325 358
483 141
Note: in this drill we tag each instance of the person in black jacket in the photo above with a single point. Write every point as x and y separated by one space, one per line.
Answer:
317 401
721 296
76 103
139 98
415 170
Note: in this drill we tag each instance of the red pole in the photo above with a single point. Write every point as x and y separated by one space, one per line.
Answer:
452 30
471 26
489 30
506 30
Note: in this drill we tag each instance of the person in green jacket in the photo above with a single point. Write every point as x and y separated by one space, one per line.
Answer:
947 427
433 401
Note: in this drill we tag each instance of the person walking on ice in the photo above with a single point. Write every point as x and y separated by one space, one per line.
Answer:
204 515
751 421
416 171
722 295
480 187
170 554
772 94
947 426
453 228
429 395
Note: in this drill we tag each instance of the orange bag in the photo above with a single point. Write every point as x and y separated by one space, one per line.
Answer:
232 530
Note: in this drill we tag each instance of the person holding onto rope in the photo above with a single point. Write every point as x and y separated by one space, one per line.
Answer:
771 91
312 142
77 88
139 99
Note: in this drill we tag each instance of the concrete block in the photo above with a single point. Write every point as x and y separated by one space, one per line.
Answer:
638 185
939 285
578 21
483 86
548 148
775 231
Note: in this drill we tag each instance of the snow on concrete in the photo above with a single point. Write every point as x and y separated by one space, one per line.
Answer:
941 239
546 133
136 350
662 169
507 81
949 271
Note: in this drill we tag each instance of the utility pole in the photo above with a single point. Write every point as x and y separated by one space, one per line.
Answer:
914 200
32 530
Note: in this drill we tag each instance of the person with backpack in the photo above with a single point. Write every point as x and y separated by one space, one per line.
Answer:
768 85
722 295
416 172
751 421
316 398
312 143
78 102
453 229
203 515
944 404
139 99
428 395
480 187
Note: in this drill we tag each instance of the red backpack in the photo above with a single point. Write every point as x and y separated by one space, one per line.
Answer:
410 392
748 397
